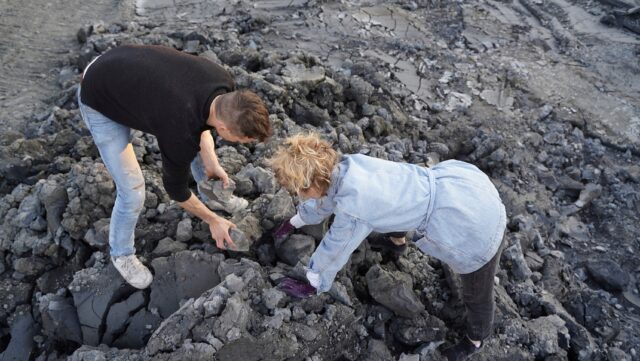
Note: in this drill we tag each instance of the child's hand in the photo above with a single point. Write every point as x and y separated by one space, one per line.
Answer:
295 288
283 231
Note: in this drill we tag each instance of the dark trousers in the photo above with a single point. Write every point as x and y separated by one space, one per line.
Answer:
477 295
396 234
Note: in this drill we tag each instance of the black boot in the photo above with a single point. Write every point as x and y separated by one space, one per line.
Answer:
461 350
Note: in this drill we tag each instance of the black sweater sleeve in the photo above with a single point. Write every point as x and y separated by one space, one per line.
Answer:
177 156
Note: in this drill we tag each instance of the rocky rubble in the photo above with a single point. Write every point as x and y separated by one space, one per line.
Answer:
567 286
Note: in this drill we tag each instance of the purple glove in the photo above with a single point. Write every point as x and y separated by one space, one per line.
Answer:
283 231
295 288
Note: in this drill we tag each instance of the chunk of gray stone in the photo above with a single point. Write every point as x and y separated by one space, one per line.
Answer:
234 283
23 329
28 241
30 266
305 112
140 328
534 261
458 102
119 315
262 180
608 274
244 185
281 207
393 290
181 276
12 294
94 290
339 293
298 73
544 111
271 297
305 332
589 193
294 248
615 353
409 357
195 351
28 211
250 228
573 228
233 320
240 240
359 90
547 334
417 330
174 330
184 232
59 318
53 195
60 277
98 236
519 267
236 267
377 350
91 196
216 301
242 348
67 77
104 353
168 246
631 172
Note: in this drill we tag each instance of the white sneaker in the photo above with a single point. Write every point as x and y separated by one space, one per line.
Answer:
133 271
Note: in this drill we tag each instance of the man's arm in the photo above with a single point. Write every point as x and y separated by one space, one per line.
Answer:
209 158
218 226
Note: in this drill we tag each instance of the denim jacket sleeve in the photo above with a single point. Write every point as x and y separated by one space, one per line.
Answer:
344 236
315 211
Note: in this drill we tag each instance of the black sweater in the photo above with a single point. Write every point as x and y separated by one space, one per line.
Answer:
160 91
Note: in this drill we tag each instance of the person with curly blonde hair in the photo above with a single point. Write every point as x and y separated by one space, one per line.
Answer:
454 208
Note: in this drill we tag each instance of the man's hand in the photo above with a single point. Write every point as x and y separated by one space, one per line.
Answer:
283 231
220 232
295 288
215 170
209 159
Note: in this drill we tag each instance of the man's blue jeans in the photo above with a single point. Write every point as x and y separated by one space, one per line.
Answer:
113 141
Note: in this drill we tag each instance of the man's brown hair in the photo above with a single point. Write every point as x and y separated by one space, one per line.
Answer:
245 113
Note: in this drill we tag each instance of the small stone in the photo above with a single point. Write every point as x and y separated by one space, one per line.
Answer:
184 232
608 274
168 246
234 283
271 297
394 290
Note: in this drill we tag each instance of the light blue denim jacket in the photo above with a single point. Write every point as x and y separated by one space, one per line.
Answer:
453 206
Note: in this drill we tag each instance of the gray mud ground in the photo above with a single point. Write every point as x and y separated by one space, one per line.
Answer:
35 37
539 94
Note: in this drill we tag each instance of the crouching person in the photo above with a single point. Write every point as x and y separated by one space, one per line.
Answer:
454 208
179 98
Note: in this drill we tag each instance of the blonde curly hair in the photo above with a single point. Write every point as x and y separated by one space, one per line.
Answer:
304 161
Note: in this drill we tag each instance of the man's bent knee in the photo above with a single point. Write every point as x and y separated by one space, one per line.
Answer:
133 198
